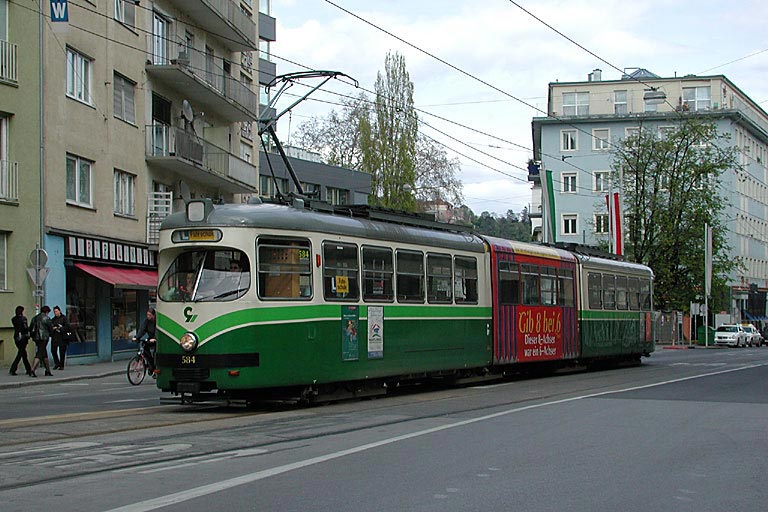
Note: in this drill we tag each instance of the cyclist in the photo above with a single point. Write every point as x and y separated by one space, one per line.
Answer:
148 330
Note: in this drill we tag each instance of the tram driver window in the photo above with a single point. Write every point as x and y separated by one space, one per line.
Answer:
284 268
378 274
225 275
465 280
439 277
410 276
340 271
509 283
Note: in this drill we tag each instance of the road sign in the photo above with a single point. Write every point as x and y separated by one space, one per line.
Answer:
59 11
38 257
38 275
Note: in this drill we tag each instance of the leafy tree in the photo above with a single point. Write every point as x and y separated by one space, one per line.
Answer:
436 173
510 227
671 187
388 141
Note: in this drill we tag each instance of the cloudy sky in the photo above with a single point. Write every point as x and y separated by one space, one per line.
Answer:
497 61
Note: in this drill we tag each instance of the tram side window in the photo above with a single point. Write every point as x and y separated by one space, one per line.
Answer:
530 278
509 283
595 290
410 276
565 287
633 285
378 272
621 293
645 294
548 286
609 291
340 271
284 268
465 280
439 277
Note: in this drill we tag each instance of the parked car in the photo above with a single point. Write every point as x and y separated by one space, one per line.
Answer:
755 338
732 335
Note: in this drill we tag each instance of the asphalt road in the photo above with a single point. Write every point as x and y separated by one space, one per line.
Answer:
685 431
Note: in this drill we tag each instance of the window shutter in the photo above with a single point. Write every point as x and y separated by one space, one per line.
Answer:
118 96
129 90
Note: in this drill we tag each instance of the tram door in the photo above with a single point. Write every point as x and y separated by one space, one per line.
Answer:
506 300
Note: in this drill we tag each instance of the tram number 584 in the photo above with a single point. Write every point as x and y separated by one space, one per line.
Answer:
187 359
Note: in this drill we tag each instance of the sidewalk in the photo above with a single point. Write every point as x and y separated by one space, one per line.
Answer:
71 372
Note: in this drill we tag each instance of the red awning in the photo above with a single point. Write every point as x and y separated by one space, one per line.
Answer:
122 277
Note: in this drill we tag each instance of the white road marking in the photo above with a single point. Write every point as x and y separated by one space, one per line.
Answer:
54 447
153 398
204 490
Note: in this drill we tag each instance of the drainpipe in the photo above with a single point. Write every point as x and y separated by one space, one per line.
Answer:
41 300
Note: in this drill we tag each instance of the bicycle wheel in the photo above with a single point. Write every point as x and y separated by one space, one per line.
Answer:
137 369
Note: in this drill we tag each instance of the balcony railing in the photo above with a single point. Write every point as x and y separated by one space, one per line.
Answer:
8 66
188 152
200 77
223 19
158 208
9 180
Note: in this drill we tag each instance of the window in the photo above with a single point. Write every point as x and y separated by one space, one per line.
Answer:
125 187
378 274
645 295
609 291
568 140
569 224
620 102
439 276
601 139
125 12
245 151
3 261
268 188
336 196
209 66
79 181
340 271
124 99
263 95
284 268
696 98
509 283
565 296
213 275
530 280
595 291
246 130
78 76
159 40
311 189
410 276
633 285
265 6
601 223
622 301
602 181
548 286
575 103
465 280
246 61
264 49
569 182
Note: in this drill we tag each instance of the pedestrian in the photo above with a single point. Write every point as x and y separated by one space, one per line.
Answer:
60 338
40 329
21 338
148 328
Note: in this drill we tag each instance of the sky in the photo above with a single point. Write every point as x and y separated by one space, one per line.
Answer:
484 66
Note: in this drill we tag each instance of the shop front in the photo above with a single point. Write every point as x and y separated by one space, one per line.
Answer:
107 287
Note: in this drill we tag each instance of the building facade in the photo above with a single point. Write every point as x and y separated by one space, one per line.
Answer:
587 119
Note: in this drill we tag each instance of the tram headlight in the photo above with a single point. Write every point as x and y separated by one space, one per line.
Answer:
188 342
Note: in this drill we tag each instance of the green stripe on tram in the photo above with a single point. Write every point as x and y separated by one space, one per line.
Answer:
610 315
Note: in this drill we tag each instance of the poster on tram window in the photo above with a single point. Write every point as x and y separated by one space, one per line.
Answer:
375 332
349 323
539 333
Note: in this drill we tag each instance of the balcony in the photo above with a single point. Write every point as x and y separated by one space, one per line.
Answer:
223 19
267 71
8 66
196 76
9 181
159 206
267 27
198 160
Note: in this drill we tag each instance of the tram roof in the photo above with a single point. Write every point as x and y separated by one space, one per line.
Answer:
332 222
599 263
529 249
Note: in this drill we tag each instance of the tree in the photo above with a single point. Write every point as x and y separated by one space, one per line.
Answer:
388 140
671 188
436 173
337 136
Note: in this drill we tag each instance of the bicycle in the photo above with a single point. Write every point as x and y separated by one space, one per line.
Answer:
139 366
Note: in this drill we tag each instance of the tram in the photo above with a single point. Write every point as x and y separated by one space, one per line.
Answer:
306 301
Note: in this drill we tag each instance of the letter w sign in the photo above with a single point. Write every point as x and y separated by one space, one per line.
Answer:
59 10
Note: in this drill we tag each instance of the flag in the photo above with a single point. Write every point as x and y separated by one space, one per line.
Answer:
616 236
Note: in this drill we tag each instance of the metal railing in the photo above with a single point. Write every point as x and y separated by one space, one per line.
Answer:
8 66
231 11
159 206
9 180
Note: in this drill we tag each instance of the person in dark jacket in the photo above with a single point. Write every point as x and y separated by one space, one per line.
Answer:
21 338
59 338
40 329
148 329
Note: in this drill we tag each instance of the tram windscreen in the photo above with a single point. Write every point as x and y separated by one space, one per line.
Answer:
212 275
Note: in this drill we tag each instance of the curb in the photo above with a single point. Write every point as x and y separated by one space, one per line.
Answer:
41 380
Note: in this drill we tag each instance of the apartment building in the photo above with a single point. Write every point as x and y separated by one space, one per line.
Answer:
588 118
19 162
